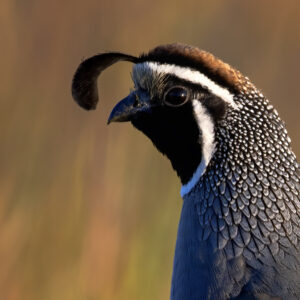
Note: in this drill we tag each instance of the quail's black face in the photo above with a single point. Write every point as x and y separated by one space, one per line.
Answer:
167 128
172 129
161 106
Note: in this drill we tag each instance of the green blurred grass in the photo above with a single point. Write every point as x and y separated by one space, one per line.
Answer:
89 211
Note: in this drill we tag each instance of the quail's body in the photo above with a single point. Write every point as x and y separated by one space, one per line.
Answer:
239 231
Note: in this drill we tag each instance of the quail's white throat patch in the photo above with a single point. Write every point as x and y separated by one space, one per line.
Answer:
144 71
206 126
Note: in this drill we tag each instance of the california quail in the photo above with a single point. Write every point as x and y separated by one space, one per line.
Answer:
239 231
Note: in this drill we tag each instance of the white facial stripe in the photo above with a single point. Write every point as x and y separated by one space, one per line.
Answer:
206 126
191 76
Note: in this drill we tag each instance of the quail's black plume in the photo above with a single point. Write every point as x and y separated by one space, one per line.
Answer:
239 231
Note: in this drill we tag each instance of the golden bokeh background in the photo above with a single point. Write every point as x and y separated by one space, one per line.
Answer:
89 211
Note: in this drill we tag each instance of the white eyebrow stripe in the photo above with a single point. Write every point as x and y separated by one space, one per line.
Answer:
192 76
206 126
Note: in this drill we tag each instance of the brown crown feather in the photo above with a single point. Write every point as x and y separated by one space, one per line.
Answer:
205 62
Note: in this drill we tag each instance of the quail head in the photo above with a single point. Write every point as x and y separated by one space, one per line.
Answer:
239 231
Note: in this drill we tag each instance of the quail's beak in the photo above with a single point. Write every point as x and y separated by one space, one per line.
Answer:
128 108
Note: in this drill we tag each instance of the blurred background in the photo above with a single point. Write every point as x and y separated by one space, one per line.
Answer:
89 211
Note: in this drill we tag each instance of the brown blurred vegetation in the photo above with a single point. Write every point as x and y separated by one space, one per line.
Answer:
89 211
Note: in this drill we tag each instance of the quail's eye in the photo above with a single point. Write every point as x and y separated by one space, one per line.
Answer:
176 96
